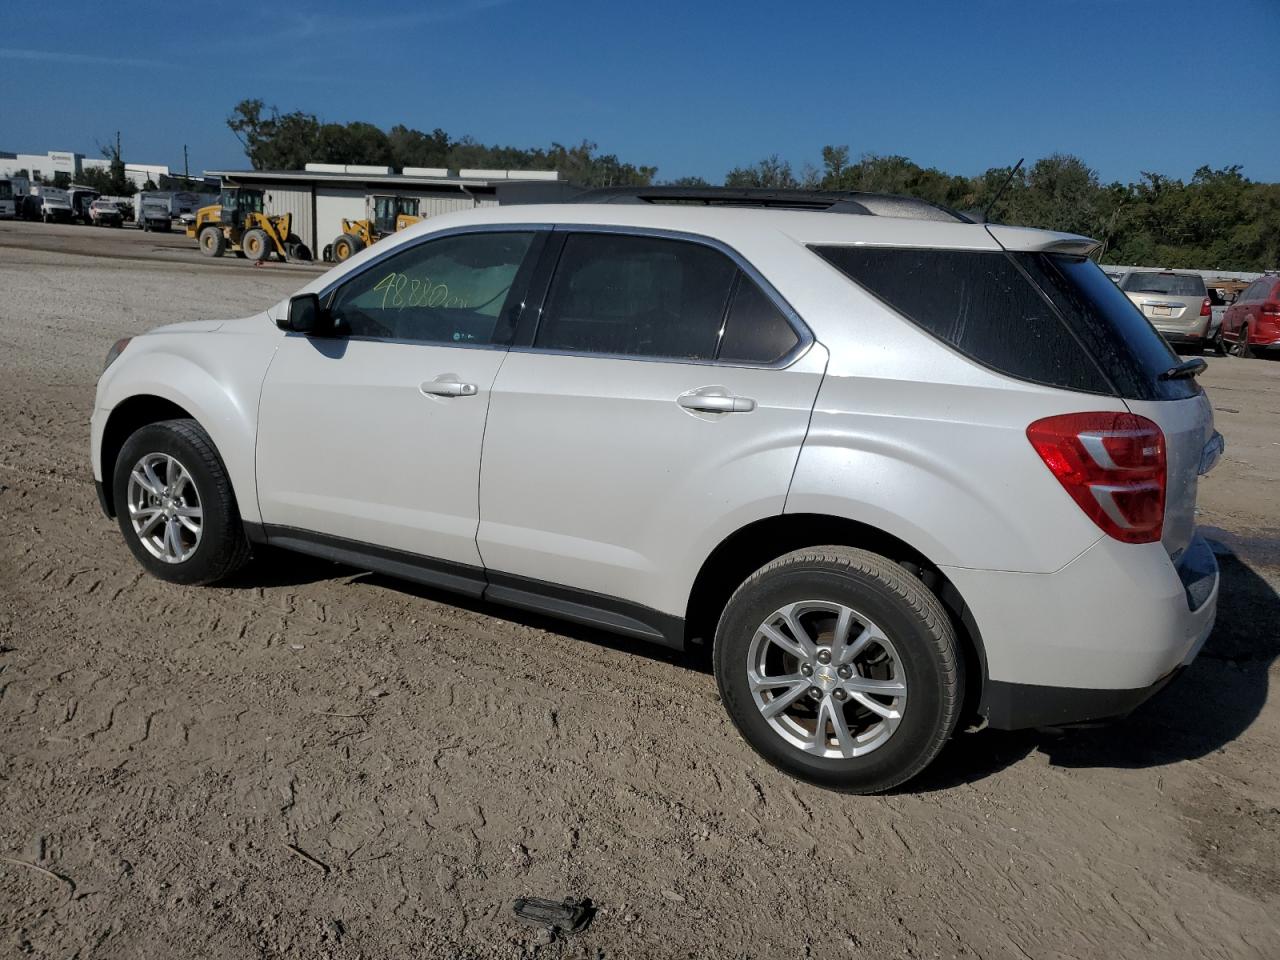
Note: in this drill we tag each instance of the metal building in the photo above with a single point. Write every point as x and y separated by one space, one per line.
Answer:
323 195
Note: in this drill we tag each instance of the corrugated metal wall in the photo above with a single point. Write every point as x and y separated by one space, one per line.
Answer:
432 205
296 201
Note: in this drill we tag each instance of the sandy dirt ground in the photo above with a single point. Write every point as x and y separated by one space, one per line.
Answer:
312 762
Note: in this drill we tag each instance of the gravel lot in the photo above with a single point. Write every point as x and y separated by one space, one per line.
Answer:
162 748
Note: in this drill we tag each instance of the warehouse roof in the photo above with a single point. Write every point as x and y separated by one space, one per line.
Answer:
491 179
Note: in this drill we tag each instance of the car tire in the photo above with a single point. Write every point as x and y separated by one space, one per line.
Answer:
175 505
213 243
1241 347
907 642
255 244
346 247
1219 345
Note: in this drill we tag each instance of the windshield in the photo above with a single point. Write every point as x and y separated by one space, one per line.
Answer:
1169 284
246 201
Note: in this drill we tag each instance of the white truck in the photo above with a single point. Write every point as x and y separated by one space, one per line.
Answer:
152 211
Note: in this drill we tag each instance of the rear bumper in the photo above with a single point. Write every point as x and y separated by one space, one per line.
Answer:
1173 337
1093 640
1017 706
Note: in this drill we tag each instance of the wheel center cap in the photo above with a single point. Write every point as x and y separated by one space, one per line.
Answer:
825 677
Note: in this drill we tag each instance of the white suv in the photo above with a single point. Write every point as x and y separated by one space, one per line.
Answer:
897 467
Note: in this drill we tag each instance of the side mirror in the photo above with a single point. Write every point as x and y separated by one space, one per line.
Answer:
305 315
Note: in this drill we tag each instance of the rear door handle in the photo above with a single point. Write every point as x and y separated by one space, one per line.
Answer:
715 403
447 385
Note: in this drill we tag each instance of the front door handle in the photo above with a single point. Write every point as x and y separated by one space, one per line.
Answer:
447 385
715 402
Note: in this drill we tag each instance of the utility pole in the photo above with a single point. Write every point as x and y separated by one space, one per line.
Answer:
186 174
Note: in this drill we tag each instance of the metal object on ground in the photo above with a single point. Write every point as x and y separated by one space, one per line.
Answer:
558 916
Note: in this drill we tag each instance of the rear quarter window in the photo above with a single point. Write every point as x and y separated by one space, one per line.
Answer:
1045 318
980 304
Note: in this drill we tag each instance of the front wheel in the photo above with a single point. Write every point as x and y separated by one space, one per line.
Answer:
255 244
175 505
840 668
1241 347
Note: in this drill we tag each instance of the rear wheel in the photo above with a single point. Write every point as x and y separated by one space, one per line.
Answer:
255 244
175 505
840 668
212 242
346 247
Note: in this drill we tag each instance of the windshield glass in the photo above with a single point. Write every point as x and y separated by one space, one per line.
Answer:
1170 284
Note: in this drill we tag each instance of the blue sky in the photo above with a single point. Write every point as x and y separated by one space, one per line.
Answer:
695 88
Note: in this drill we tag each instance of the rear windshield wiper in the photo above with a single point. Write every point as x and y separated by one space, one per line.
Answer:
1189 368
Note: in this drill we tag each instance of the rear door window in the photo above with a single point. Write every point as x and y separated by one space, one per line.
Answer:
637 296
755 330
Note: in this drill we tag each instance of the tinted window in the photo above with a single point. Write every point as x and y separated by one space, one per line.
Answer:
755 330
1258 290
1113 330
451 290
979 303
636 296
1169 284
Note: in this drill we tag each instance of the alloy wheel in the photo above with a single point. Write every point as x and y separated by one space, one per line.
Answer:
164 508
826 679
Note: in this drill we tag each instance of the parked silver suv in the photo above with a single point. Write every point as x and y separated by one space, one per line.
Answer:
1177 304
896 468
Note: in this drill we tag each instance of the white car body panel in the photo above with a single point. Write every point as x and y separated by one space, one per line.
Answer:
595 478
211 369
978 494
1115 618
349 446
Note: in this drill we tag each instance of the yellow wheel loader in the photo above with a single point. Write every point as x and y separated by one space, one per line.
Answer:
238 223
390 215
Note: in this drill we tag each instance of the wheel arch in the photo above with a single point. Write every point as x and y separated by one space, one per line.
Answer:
126 418
751 547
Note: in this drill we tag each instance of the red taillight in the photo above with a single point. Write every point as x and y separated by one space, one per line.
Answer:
1206 308
1270 309
1112 464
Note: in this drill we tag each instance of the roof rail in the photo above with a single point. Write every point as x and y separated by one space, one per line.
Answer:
823 201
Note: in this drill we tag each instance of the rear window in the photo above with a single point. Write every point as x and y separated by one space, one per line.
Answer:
1130 350
1044 318
1169 284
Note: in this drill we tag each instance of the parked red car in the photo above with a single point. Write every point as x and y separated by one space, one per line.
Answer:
1252 324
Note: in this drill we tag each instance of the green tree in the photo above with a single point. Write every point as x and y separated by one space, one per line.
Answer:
274 141
771 172
413 148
